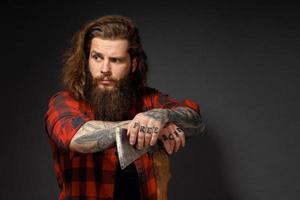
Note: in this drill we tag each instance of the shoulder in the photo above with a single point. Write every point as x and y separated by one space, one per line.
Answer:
156 94
62 95
156 99
148 91
63 98
151 94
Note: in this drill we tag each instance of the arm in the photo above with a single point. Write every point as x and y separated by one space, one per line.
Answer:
186 118
148 126
95 136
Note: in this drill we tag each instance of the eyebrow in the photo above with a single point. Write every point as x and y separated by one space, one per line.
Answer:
114 57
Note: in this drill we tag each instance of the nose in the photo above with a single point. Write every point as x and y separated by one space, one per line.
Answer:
105 68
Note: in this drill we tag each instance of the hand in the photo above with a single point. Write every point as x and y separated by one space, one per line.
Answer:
172 138
145 127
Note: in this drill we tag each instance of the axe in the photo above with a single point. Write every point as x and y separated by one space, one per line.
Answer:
128 153
161 163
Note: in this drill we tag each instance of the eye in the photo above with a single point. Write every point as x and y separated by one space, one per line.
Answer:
97 58
116 60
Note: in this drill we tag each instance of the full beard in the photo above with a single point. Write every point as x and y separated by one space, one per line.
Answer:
114 104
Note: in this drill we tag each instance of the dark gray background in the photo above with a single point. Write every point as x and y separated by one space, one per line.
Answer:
239 61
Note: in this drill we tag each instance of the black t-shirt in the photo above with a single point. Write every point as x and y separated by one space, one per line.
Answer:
127 184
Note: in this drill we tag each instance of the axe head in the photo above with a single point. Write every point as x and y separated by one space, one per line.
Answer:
126 152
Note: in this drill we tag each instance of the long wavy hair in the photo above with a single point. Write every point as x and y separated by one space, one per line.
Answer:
75 75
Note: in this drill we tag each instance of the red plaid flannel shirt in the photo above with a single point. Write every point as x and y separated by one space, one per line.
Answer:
90 176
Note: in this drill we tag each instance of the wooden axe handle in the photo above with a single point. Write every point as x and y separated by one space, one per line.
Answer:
162 171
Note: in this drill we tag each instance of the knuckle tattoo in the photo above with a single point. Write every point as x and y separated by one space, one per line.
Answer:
143 129
155 130
176 133
136 124
149 130
165 137
178 129
171 136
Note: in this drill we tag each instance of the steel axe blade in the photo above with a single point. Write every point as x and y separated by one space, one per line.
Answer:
126 152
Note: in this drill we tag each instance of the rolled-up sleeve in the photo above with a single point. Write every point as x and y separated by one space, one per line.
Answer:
161 100
63 119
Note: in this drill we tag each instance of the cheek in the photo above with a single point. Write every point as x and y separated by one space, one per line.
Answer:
93 70
120 72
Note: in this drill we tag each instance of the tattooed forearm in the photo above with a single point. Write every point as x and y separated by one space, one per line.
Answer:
95 141
188 120
95 136
161 115
184 117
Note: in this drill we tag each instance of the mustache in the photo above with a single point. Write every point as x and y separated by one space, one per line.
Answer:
103 78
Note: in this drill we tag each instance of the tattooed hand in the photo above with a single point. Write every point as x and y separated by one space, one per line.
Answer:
144 129
172 138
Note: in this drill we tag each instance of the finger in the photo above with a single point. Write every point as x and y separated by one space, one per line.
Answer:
128 127
149 132
177 142
177 138
148 136
133 132
162 133
156 130
172 143
166 143
141 133
140 140
181 135
165 137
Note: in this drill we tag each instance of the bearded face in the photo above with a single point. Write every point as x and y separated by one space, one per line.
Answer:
113 104
110 88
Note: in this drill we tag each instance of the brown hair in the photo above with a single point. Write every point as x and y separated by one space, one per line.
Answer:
75 73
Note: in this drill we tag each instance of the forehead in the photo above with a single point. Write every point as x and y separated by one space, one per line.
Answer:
109 47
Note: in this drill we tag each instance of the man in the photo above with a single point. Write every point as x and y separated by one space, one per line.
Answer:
104 80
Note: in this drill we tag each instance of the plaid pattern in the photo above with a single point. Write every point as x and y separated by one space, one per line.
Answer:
91 176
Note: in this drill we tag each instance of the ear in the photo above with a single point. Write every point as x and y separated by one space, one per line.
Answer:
133 65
